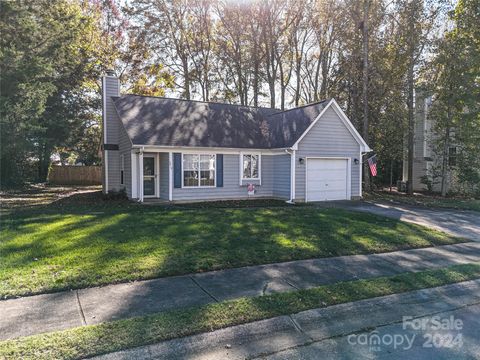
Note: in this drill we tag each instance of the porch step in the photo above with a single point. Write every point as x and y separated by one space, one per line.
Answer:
155 201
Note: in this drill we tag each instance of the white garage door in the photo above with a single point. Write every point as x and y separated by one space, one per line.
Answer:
327 179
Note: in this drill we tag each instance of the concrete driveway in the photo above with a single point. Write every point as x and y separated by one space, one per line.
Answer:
460 223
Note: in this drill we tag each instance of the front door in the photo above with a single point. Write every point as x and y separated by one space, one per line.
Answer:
149 176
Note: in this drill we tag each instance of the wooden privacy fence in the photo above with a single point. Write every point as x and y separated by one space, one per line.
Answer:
75 175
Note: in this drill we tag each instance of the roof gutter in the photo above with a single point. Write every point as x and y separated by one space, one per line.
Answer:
216 148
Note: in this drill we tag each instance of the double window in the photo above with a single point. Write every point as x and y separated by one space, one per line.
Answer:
251 166
199 170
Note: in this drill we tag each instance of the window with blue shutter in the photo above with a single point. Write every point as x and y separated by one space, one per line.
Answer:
177 170
219 170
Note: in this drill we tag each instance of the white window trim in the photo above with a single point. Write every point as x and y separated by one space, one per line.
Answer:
200 186
259 178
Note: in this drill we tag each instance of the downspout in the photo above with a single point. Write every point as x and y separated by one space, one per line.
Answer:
292 153
170 176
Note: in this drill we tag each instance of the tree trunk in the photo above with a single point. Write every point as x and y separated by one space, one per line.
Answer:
207 86
240 82
366 6
411 117
391 175
411 130
282 86
43 163
446 146
255 76
271 79
255 86
298 74
317 76
186 77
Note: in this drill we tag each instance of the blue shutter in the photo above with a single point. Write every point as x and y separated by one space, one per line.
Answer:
219 169
177 170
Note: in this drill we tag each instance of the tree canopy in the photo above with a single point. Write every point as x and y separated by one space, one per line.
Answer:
370 55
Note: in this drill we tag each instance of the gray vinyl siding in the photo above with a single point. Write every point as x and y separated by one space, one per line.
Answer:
125 149
281 183
111 89
231 182
113 159
164 175
331 138
116 135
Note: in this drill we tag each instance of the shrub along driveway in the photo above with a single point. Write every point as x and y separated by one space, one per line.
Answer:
62 246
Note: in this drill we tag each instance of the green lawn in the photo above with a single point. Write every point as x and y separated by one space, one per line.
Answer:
50 248
428 200
88 341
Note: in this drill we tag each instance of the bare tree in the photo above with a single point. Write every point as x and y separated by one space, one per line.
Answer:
200 43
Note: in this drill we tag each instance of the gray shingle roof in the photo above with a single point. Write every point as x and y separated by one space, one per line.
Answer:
287 126
175 122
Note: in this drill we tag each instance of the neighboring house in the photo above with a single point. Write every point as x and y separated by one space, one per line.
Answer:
426 164
182 150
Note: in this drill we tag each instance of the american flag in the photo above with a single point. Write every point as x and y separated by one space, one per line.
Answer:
372 162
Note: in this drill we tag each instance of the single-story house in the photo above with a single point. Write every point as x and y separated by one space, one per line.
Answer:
185 150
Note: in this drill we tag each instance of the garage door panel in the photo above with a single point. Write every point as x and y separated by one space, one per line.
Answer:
325 186
326 196
327 179
328 173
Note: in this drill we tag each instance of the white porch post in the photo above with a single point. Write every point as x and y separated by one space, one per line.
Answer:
170 176
140 173
157 175
134 167
292 175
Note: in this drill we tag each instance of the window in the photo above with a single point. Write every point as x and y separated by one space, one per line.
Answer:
251 166
122 168
452 156
199 170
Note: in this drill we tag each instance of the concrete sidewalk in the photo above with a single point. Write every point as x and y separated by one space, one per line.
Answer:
50 312
323 333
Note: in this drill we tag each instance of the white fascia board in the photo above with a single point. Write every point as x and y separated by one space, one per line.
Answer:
218 150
